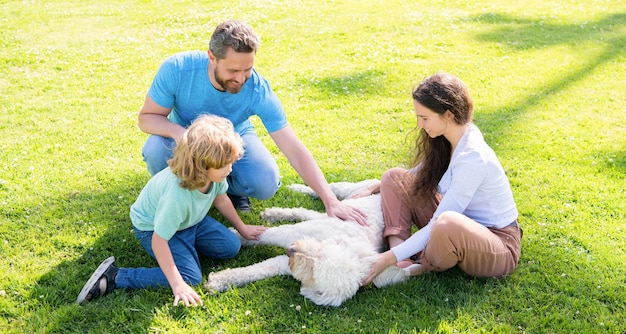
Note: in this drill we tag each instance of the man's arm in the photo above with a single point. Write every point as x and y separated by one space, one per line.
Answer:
153 120
303 162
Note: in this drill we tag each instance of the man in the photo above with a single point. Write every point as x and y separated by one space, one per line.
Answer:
223 82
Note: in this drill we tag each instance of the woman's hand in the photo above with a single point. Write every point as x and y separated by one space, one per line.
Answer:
368 191
385 260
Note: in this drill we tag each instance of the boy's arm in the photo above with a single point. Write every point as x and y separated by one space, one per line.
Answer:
182 291
223 204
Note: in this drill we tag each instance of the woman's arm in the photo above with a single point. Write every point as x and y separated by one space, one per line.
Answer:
370 190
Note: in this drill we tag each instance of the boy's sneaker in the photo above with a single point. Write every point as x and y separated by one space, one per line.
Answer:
91 289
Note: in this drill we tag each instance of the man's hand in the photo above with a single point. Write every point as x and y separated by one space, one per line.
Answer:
346 212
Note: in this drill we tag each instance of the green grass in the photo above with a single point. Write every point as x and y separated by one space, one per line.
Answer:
547 79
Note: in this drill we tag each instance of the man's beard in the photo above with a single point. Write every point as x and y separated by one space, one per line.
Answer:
225 84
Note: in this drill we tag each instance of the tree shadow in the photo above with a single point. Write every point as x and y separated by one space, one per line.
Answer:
612 161
521 34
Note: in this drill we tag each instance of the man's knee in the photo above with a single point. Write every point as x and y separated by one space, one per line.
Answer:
262 186
156 151
264 190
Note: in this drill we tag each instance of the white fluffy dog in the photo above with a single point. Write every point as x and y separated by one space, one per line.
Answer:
329 256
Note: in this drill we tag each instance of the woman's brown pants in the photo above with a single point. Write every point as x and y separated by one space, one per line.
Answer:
455 239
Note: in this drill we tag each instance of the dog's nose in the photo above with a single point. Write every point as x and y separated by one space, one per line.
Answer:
290 250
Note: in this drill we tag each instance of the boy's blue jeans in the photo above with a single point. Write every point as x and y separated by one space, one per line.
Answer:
208 238
255 175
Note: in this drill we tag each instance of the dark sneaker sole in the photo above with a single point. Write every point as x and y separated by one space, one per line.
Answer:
244 209
94 278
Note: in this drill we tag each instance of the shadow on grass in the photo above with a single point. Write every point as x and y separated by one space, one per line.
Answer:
612 162
364 83
105 215
522 34
433 299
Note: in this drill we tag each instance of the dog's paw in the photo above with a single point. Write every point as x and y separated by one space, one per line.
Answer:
391 275
301 188
295 215
274 215
216 283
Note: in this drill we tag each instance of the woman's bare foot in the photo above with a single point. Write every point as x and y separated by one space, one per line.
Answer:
404 263
415 269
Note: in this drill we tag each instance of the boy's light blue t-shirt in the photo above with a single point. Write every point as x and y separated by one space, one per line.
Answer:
165 208
182 83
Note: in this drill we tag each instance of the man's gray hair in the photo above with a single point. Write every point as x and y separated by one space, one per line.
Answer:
233 34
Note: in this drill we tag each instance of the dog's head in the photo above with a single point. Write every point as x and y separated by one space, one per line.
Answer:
330 271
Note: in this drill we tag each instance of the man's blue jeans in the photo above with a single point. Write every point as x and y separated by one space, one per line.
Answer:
255 175
208 238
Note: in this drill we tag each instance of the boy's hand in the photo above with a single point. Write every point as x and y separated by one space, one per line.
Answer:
252 232
186 294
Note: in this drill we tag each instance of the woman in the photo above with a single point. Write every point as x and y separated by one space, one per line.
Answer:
457 194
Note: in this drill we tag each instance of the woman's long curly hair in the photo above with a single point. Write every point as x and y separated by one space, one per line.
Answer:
439 93
210 142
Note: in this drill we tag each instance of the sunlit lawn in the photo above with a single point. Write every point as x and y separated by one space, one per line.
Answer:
548 84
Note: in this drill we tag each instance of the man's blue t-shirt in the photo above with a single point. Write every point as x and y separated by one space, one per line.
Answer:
182 83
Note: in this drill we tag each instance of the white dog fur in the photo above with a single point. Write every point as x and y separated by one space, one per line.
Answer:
329 256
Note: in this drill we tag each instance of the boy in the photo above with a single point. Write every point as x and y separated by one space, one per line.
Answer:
170 216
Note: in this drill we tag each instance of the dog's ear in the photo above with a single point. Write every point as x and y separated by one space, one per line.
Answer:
302 268
304 254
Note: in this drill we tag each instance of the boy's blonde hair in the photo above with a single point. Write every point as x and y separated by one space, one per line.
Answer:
210 142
